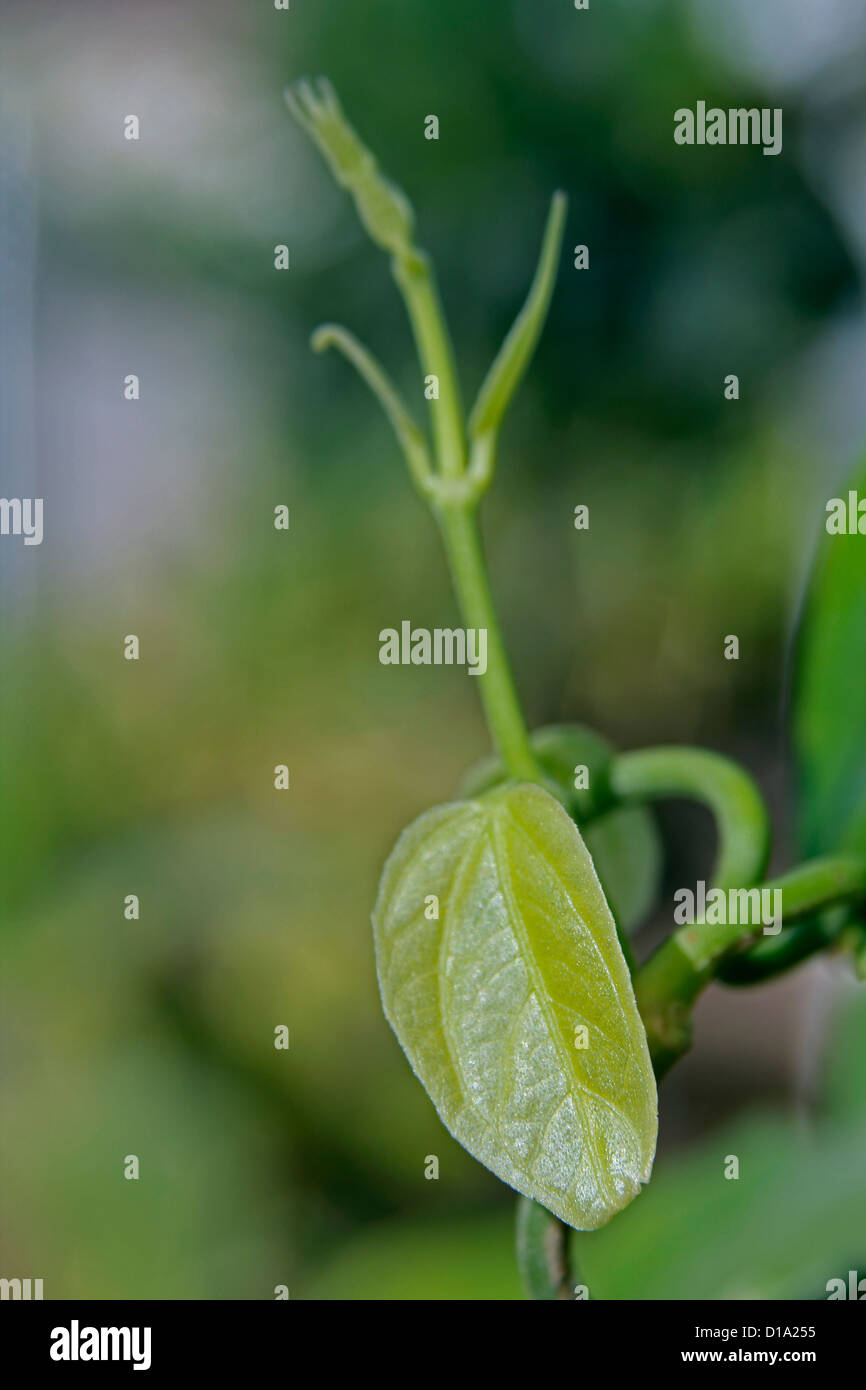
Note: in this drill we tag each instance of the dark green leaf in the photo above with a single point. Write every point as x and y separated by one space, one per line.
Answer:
830 693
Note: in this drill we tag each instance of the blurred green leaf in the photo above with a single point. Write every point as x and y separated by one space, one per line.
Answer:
830 693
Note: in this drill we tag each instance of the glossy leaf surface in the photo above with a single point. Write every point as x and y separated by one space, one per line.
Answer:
514 1005
624 842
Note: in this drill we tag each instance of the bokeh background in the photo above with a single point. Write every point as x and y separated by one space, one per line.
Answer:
155 1038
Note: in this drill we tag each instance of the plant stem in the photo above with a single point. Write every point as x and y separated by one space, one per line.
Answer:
775 955
542 1253
810 887
668 984
453 490
460 533
416 281
742 821
456 513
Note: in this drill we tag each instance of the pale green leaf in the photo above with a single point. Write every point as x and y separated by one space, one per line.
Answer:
624 842
487 1000
516 352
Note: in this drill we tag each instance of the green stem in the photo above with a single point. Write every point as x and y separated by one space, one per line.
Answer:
774 955
805 890
454 490
742 821
460 533
542 1253
416 281
455 510
409 436
668 984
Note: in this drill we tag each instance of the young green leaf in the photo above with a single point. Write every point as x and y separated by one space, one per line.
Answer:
502 976
516 352
624 842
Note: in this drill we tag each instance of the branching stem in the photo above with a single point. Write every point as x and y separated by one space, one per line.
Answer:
816 897
464 467
668 984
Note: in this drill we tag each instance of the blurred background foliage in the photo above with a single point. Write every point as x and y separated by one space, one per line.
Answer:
306 1168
